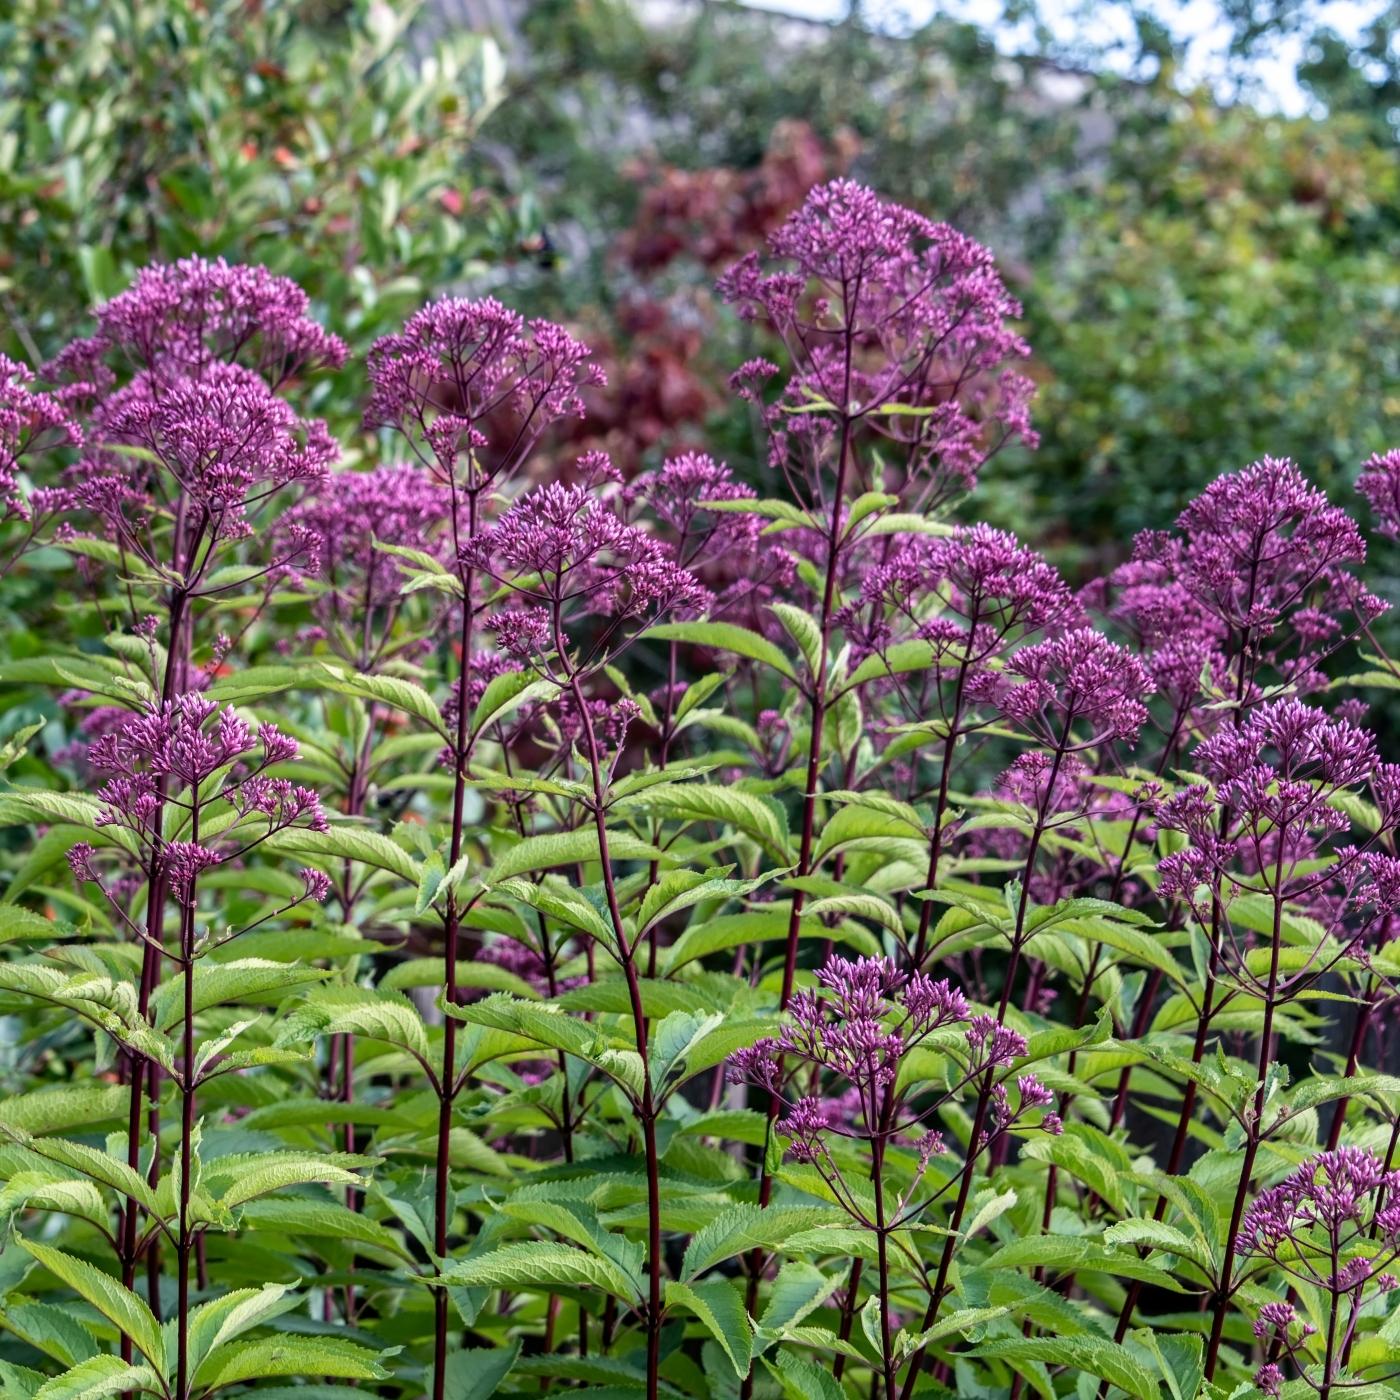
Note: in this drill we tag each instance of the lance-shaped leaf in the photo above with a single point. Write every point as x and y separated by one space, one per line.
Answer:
290 1356
505 694
756 817
296 1217
676 1037
244 1178
541 1265
96 1377
379 1015
745 1227
567 848
678 890
1088 1355
49 1328
214 1323
578 1223
802 1378
220 984
87 1161
58 1109
719 1306
119 1305
394 691
549 1026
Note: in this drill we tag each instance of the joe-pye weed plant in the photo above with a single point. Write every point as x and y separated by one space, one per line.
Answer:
476 925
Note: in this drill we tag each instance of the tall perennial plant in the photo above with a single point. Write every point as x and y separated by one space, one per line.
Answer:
480 927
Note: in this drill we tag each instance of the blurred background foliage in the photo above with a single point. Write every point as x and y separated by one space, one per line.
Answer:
1205 281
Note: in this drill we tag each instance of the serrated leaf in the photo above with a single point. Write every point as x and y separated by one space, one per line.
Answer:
291 1356
745 1227
720 1307
540 1265
119 1305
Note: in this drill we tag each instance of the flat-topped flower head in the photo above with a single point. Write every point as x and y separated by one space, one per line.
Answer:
1332 1197
1076 684
677 495
1283 763
565 552
472 386
179 320
31 423
1379 482
224 443
894 323
1265 556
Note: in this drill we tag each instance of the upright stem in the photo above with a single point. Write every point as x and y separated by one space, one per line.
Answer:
945 1262
647 1107
935 846
144 1081
819 706
187 1106
447 1087
1255 1128
882 1253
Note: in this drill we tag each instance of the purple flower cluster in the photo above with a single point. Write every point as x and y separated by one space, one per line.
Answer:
1259 548
856 1026
1333 1224
1379 482
347 517
1078 690
31 422
178 320
162 760
566 552
894 324
473 386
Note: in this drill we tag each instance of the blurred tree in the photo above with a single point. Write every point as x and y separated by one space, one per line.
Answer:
307 136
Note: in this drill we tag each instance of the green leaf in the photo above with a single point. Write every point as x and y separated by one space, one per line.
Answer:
725 636
397 693
119 1305
347 843
804 631
799 1288
49 1328
475 1373
550 1026
539 1265
274 1171
802 1379
755 817
678 890
566 848
580 1224
1096 1356
87 1161
746 1227
896 660
721 1308
1157 1234
291 1356
69 1106
294 1216
380 1015
431 879
676 1037
96 1377
215 1323
506 693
